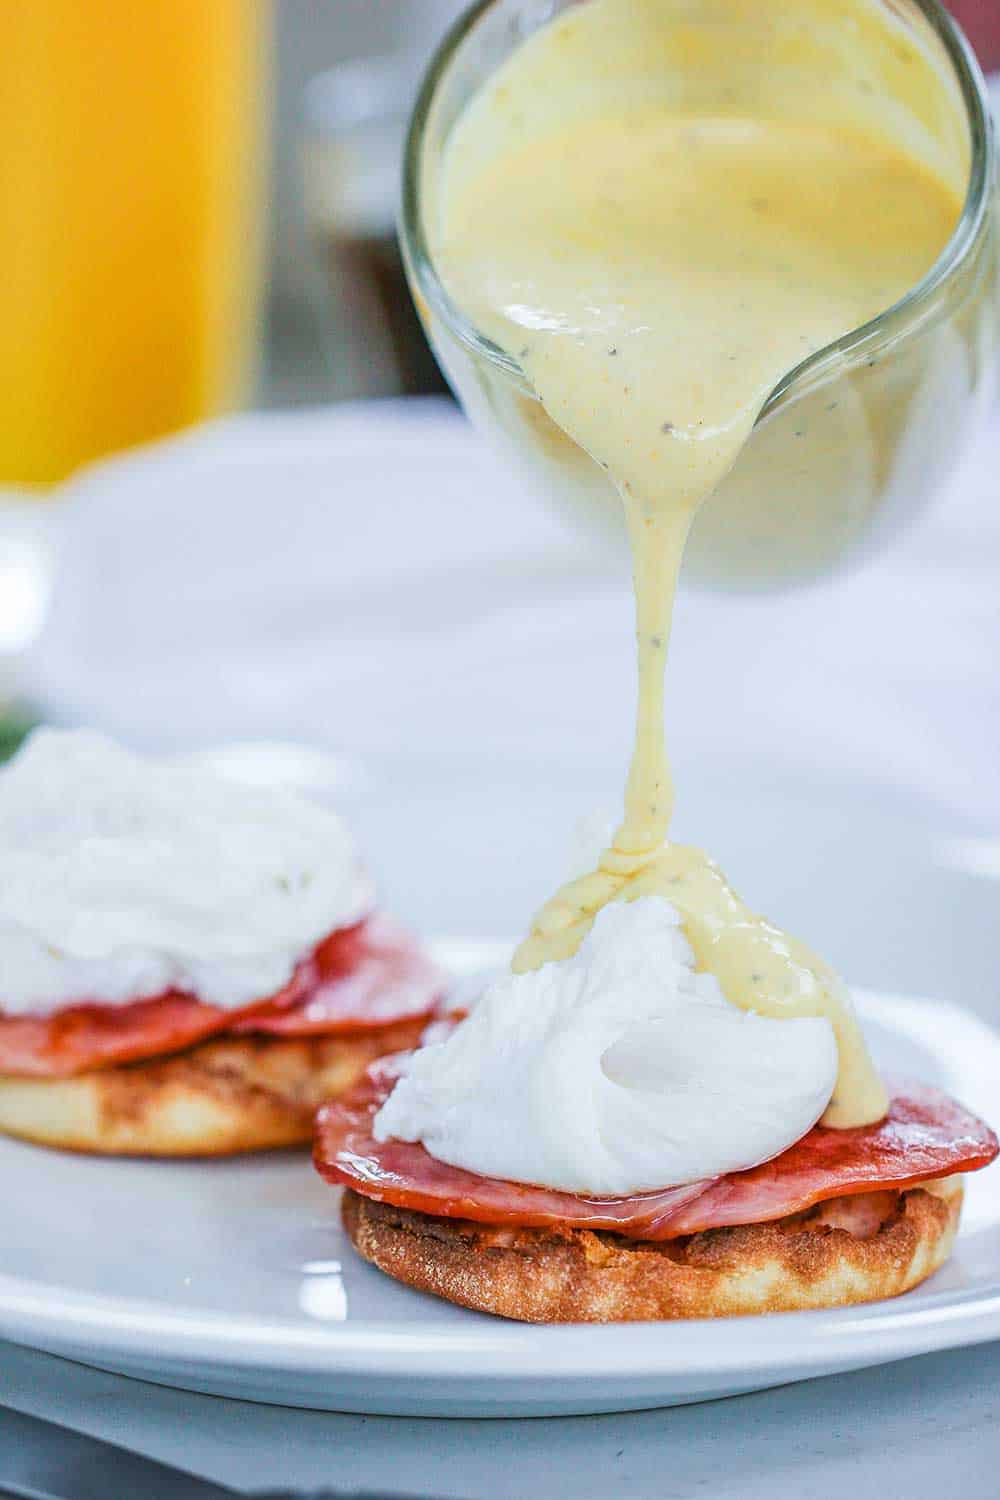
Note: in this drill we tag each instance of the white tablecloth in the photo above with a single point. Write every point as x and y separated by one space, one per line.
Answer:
922 1430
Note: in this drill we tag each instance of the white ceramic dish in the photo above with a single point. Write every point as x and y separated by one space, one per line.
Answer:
235 1279
857 802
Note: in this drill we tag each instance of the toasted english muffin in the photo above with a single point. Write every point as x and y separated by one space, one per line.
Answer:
228 1095
843 1251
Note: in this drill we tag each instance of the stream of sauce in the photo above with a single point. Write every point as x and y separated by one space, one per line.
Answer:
655 270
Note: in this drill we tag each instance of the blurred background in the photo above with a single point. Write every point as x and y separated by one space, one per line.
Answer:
198 213
197 207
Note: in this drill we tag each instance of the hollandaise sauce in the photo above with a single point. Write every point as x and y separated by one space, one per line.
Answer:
656 262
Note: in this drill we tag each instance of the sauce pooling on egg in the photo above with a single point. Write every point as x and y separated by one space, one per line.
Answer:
656 264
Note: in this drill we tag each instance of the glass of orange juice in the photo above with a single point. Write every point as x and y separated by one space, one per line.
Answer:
129 218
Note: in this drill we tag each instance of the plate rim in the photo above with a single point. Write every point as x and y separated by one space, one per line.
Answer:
149 1336
34 1314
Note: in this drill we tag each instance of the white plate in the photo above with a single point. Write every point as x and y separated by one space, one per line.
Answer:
856 800
235 1279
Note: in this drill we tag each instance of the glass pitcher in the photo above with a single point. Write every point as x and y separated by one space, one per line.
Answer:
852 441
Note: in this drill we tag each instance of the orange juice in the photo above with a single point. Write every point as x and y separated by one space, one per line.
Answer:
128 221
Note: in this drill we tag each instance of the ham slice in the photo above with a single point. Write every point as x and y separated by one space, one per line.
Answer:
82 1038
925 1135
358 979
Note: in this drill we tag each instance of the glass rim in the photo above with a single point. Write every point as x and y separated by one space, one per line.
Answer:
907 312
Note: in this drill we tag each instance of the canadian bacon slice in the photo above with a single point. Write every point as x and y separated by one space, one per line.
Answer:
358 979
925 1135
82 1038
403 1173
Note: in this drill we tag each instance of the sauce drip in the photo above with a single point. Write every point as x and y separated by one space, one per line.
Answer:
656 268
